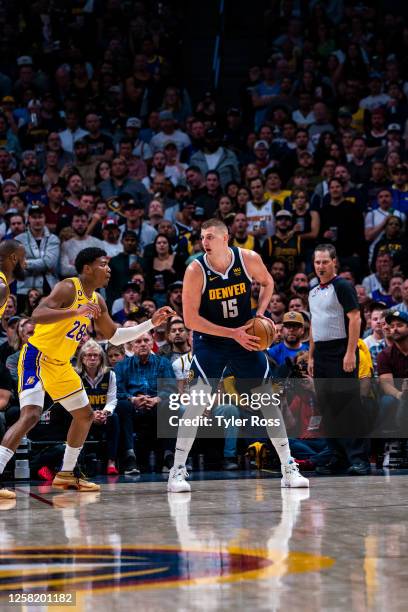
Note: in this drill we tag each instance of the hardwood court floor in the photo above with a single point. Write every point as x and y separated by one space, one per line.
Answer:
237 542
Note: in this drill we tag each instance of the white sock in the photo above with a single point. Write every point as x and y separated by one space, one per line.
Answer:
5 456
281 444
282 448
70 458
186 435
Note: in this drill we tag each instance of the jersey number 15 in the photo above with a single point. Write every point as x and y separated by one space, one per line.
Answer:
229 309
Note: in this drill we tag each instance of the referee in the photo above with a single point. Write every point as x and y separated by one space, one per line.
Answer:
334 333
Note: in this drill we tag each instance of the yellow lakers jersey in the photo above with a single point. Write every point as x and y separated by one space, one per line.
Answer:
3 307
60 340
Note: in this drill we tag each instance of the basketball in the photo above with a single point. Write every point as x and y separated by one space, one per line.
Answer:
264 329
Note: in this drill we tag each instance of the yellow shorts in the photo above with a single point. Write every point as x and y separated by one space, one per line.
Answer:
39 374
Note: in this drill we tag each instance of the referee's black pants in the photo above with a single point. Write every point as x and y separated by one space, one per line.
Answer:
338 396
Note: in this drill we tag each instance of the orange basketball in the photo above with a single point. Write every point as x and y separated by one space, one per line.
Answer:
264 329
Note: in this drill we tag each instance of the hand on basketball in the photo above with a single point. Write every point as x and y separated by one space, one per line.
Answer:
90 310
251 343
162 314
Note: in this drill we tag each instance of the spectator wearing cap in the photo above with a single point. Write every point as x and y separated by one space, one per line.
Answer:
291 344
111 237
80 241
175 297
132 297
136 165
394 142
377 98
120 182
262 156
35 192
72 133
399 188
163 269
284 243
168 131
42 254
174 169
393 373
403 305
100 145
133 210
84 163
140 148
214 156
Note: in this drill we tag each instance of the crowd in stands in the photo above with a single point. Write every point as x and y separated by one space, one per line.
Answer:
102 145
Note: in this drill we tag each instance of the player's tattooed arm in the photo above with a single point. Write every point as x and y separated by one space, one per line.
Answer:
57 306
258 271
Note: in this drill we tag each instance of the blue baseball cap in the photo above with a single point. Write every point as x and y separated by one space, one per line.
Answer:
397 314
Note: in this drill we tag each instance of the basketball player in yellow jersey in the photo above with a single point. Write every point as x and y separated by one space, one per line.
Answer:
12 265
61 320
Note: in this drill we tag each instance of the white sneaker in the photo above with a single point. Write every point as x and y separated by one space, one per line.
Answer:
291 477
177 480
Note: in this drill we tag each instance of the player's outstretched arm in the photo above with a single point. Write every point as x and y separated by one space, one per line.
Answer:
56 306
258 271
120 335
192 287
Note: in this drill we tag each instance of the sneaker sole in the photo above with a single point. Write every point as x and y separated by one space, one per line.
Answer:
286 485
66 487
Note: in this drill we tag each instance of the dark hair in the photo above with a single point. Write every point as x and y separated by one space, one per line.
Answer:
88 256
155 242
326 247
80 213
212 172
8 247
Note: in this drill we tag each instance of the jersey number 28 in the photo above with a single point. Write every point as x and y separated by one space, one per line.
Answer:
229 309
77 332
